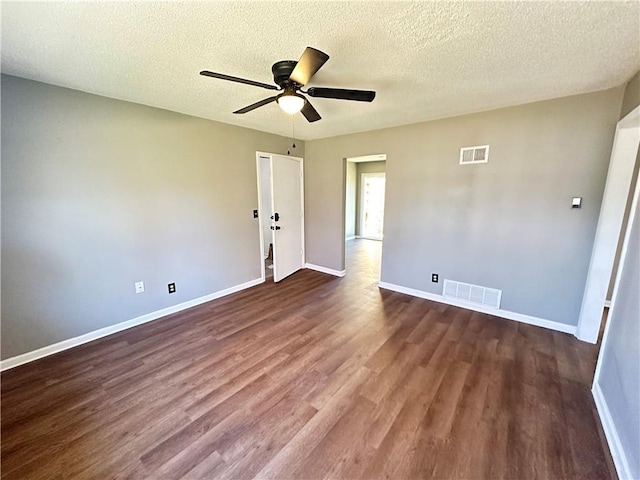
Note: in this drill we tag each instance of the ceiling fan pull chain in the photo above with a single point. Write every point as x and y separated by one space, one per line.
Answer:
293 134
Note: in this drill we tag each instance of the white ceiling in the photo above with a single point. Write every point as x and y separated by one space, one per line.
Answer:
426 60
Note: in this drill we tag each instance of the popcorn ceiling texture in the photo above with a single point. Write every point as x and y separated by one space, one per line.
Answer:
426 60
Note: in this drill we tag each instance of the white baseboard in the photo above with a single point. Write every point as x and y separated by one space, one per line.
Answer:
103 332
330 271
352 237
615 446
518 317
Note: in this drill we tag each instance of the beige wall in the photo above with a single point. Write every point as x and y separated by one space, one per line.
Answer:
631 98
98 194
507 224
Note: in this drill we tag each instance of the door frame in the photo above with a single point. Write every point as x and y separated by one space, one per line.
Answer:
617 452
362 180
610 223
261 220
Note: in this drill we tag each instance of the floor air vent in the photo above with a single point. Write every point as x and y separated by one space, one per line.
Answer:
489 297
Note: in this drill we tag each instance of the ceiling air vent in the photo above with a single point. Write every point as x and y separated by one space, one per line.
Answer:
472 155
489 297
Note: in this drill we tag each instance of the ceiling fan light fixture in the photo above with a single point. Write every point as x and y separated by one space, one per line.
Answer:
290 77
291 102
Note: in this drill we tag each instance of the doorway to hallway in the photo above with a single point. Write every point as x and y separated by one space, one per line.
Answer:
365 182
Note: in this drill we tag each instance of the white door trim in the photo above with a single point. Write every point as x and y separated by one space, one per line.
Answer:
614 201
362 180
304 250
263 273
609 427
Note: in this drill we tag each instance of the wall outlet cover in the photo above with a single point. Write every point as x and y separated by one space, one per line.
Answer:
139 287
172 288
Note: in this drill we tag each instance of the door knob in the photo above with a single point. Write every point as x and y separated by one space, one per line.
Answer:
275 228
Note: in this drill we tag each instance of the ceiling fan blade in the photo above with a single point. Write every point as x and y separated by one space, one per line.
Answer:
259 104
310 113
222 76
309 63
342 94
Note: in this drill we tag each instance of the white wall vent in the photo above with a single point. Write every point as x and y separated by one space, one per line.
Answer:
473 155
489 297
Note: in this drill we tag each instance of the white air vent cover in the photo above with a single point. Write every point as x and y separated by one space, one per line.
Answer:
489 297
471 155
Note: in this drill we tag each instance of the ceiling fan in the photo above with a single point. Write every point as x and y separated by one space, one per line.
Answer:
290 76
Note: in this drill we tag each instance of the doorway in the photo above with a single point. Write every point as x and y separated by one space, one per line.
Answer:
365 180
280 214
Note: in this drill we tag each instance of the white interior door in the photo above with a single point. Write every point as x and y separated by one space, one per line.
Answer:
287 224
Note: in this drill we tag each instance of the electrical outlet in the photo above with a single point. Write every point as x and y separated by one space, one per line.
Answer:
139 287
172 288
434 277
255 214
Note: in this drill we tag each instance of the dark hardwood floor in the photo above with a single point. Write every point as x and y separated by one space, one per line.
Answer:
315 377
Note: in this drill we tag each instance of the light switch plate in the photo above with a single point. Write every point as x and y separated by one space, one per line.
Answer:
576 202
139 287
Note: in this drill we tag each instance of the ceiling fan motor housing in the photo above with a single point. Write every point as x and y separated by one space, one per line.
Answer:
282 71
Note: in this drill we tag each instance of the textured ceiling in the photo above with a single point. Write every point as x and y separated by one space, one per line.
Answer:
426 60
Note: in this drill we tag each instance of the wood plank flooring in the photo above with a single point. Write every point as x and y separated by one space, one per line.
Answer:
315 377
